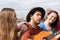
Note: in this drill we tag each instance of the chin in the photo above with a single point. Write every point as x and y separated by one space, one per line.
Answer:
38 22
51 22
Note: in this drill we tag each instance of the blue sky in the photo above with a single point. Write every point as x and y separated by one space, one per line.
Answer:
22 7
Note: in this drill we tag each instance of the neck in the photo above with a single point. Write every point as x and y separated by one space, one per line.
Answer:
47 23
33 24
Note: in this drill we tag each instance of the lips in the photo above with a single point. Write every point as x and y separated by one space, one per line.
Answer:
51 21
39 19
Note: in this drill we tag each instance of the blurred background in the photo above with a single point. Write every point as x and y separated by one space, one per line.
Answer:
22 7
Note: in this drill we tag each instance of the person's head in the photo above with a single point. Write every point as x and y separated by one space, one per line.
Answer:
7 23
52 17
36 14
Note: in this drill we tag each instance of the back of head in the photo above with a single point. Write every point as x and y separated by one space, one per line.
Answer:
32 11
7 23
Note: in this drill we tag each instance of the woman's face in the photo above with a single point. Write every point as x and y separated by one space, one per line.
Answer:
52 17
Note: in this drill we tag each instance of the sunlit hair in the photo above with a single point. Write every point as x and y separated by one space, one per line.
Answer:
57 19
32 12
7 23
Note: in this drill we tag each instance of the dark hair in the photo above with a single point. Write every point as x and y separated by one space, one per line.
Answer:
55 23
32 12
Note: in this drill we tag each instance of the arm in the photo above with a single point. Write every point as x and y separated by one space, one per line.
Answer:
57 37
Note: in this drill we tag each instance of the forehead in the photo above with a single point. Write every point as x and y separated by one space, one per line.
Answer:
38 12
53 14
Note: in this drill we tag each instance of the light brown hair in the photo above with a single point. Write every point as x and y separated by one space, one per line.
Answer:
7 23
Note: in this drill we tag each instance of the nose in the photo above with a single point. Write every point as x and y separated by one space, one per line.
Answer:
53 18
40 17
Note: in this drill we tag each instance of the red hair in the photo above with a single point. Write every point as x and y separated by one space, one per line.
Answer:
57 20
58 25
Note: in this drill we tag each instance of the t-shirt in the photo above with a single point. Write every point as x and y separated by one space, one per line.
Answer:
42 26
29 31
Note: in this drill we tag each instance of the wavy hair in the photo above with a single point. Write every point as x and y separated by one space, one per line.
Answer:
32 12
7 23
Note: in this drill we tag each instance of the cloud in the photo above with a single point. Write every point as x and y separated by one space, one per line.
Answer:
23 6
54 3
5 1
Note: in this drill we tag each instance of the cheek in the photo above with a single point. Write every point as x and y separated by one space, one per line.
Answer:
34 17
49 18
54 20
15 19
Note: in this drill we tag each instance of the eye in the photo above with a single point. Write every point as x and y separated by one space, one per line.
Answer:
51 16
55 17
39 15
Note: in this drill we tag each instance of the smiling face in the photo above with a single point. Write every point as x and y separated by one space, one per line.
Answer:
52 17
36 17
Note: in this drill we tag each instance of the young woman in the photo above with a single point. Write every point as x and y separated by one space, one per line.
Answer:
7 24
50 22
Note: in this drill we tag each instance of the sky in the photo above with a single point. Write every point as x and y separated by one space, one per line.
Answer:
22 7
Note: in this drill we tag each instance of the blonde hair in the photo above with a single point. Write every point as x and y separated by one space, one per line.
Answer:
7 23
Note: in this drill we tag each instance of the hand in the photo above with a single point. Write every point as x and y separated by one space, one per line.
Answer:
58 36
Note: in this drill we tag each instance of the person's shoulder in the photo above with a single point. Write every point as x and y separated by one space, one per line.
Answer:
21 23
23 26
41 23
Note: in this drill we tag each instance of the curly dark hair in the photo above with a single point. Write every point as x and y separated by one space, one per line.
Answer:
32 12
